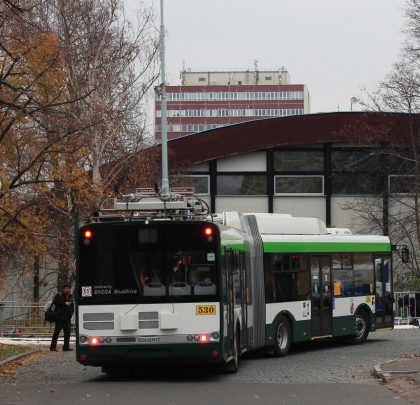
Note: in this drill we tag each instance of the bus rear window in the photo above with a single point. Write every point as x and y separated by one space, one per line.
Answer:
135 262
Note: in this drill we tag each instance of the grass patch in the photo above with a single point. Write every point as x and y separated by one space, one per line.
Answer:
7 351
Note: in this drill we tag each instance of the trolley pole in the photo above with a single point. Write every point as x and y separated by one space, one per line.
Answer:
165 182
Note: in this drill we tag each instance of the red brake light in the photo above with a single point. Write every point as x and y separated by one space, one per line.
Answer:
204 338
88 234
208 231
94 341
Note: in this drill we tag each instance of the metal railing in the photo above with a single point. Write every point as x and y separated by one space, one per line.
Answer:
407 307
24 319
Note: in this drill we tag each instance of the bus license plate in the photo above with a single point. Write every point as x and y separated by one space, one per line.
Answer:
205 310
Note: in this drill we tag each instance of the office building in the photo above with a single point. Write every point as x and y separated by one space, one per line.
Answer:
210 99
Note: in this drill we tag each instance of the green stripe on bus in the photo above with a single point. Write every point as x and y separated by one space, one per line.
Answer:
324 247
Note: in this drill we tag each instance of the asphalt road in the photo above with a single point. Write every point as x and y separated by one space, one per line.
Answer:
325 372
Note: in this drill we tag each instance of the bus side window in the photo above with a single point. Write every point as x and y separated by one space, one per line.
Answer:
378 272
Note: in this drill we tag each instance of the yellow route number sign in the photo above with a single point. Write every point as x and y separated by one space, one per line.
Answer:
205 310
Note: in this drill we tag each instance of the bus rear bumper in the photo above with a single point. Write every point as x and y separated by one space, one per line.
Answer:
150 354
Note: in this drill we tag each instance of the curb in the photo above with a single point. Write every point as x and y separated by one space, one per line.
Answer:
18 357
384 377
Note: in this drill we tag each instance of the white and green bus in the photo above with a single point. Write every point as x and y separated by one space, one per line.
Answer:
174 288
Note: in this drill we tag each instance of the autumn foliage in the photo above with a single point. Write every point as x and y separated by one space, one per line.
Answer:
71 125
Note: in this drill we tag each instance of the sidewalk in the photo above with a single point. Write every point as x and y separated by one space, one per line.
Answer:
37 343
409 366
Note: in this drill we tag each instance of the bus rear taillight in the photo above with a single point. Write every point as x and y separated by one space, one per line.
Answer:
94 341
208 231
87 236
198 338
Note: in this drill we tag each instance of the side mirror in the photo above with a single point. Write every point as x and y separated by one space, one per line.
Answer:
403 252
405 255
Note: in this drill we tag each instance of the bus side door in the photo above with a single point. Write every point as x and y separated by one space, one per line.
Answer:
383 292
321 296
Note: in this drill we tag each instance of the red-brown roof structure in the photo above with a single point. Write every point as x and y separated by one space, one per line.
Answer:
292 131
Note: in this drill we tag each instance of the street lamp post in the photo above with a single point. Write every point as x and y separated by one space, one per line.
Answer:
165 182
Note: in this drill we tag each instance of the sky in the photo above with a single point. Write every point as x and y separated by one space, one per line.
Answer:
335 47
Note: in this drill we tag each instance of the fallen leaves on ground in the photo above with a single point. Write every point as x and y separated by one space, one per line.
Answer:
10 367
406 388
7 351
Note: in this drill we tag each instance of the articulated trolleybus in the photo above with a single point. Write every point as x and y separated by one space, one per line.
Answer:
165 281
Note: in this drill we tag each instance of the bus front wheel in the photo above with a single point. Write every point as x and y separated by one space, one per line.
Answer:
362 329
283 337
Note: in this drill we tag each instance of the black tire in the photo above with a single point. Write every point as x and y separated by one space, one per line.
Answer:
362 329
282 337
233 366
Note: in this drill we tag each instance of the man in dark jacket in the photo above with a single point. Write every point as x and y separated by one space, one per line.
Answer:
65 307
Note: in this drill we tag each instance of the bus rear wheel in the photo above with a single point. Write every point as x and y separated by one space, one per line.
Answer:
362 329
283 337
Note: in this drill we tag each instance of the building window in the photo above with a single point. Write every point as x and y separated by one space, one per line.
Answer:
296 95
242 184
360 184
260 113
268 78
298 161
201 79
402 184
313 185
201 184
353 160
